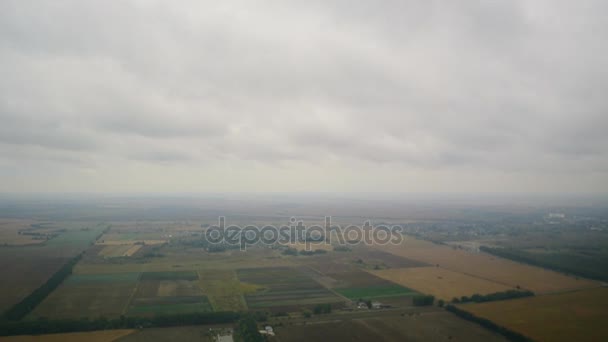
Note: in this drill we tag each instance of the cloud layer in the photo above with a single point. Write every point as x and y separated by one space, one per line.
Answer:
303 96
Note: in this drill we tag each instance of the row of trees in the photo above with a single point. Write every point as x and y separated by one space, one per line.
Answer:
510 334
322 309
247 330
509 294
316 251
423 300
294 251
25 306
44 326
571 263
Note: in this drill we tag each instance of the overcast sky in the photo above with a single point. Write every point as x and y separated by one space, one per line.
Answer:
403 96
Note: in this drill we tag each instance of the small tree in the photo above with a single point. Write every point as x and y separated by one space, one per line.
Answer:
322 309
247 330
423 300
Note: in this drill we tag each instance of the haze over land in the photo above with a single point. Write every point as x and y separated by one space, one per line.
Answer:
403 96
279 170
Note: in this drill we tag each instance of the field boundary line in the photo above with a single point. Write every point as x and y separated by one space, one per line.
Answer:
482 278
210 298
327 288
124 310
241 293
559 292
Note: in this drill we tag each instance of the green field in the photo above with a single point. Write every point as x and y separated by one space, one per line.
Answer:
81 237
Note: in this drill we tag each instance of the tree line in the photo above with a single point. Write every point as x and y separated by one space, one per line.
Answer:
509 294
423 300
44 326
322 309
587 267
486 323
247 330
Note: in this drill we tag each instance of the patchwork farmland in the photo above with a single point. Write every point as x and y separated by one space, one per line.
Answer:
89 296
112 295
32 266
360 284
284 289
168 293
224 290
165 273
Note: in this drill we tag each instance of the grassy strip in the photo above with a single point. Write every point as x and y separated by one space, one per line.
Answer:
509 294
486 323
247 330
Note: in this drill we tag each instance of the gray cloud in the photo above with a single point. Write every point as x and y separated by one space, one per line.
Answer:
200 89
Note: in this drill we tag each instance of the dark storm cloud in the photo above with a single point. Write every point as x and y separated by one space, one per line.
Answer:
425 84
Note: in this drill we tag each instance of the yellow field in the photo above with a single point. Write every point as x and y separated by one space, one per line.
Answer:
132 250
224 290
111 251
441 283
506 272
94 336
573 316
